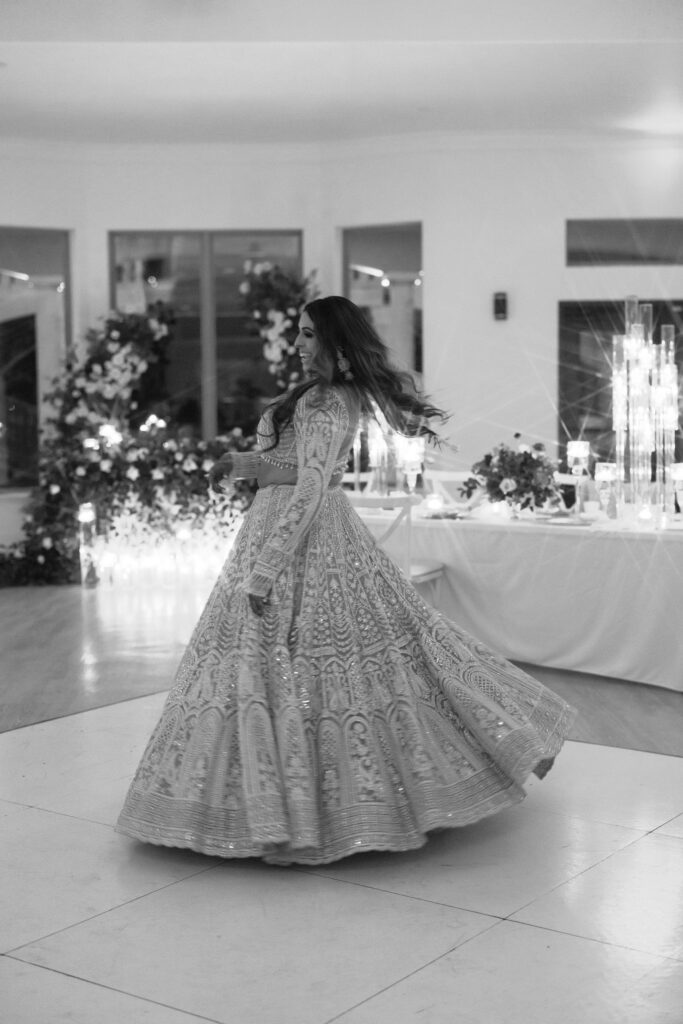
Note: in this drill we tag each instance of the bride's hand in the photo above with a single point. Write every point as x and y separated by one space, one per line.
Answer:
258 603
222 468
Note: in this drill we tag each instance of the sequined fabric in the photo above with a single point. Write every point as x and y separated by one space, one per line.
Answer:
352 716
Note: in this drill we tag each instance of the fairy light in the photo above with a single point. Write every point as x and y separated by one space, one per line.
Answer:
152 422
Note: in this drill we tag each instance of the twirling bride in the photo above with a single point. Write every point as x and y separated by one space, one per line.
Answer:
322 708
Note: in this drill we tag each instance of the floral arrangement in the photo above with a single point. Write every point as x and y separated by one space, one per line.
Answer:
274 300
522 476
101 445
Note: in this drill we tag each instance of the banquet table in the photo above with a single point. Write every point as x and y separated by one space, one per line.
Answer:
581 597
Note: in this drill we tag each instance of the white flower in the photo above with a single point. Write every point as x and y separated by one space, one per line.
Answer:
272 351
291 311
80 471
115 335
110 434
41 559
170 445
189 465
207 464
55 488
133 455
523 448
47 542
179 456
105 465
508 485
245 288
157 474
236 432
132 473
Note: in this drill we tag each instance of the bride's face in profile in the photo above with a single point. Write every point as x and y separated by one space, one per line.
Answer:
312 357
306 342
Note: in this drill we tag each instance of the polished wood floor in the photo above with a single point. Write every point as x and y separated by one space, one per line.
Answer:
68 649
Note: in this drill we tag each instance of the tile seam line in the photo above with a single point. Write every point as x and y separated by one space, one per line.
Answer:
468 910
601 942
60 814
404 895
662 957
82 711
103 913
110 988
411 974
583 871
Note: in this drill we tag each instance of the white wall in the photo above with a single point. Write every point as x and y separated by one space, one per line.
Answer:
96 189
493 214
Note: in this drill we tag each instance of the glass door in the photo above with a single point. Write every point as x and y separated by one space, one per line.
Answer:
214 375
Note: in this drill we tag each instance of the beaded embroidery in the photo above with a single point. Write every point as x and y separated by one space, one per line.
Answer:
352 714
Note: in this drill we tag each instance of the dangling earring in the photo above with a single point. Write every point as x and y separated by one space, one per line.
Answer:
344 365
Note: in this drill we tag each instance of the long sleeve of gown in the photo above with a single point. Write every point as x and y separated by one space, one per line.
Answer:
321 422
245 465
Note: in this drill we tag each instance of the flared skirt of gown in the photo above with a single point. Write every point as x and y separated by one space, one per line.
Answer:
352 716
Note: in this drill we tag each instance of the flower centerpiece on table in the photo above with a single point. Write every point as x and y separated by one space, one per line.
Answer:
274 301
524 476
100 444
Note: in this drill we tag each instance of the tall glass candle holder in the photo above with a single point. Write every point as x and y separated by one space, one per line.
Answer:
605 482
87 536
578 453
378 457
677 483
644 409
410 453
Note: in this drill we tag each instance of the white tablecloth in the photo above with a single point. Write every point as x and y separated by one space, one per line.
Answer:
570 597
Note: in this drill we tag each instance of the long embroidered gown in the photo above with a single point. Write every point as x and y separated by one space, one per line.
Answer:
351 716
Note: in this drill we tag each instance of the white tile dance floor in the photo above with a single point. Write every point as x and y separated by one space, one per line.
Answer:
566 909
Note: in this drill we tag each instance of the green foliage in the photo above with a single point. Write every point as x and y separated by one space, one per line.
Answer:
523 476
100 446
274 300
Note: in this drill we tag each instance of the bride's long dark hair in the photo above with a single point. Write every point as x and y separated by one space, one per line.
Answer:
346 337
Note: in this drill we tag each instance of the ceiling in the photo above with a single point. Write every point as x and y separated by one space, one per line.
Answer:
312 71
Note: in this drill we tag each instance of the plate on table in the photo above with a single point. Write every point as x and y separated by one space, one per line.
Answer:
556 520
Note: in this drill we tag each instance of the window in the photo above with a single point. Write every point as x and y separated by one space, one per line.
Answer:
585 368
624 242
34 316
215 377
383 275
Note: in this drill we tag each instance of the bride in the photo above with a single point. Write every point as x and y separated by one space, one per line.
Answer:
322 708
